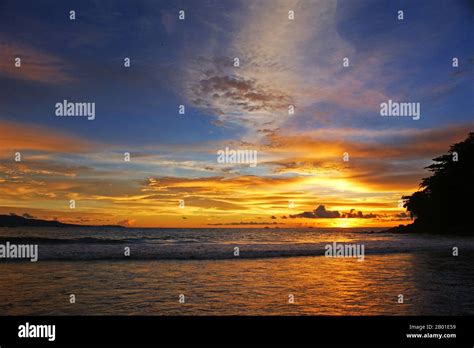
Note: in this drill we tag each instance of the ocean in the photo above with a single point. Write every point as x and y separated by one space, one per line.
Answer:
241 271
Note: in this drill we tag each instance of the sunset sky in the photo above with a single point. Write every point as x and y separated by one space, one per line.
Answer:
282 62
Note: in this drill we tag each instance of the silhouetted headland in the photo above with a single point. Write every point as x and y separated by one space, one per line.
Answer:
443 204
13 220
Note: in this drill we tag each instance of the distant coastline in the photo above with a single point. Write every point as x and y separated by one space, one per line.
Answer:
20 221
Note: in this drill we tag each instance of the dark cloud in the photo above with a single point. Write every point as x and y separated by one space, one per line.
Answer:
318 213
358 214
244 223
243 93
402 216
321 213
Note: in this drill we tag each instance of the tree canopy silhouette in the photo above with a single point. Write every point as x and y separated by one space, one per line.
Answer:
444 202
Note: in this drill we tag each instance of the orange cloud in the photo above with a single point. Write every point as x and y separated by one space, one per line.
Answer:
22 136
35 64
304 170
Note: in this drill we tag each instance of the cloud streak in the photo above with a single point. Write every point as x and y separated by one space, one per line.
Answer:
36 65
21 136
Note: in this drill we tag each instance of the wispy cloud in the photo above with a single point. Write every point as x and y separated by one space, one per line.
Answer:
282 62
36 65
23 136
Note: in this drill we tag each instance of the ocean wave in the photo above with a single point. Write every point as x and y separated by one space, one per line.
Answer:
43 240
212 251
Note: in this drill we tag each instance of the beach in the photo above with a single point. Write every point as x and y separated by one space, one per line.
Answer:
196 272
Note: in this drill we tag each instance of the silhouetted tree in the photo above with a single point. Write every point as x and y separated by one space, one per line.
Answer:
444 202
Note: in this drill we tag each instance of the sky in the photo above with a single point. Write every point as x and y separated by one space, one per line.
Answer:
334 162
